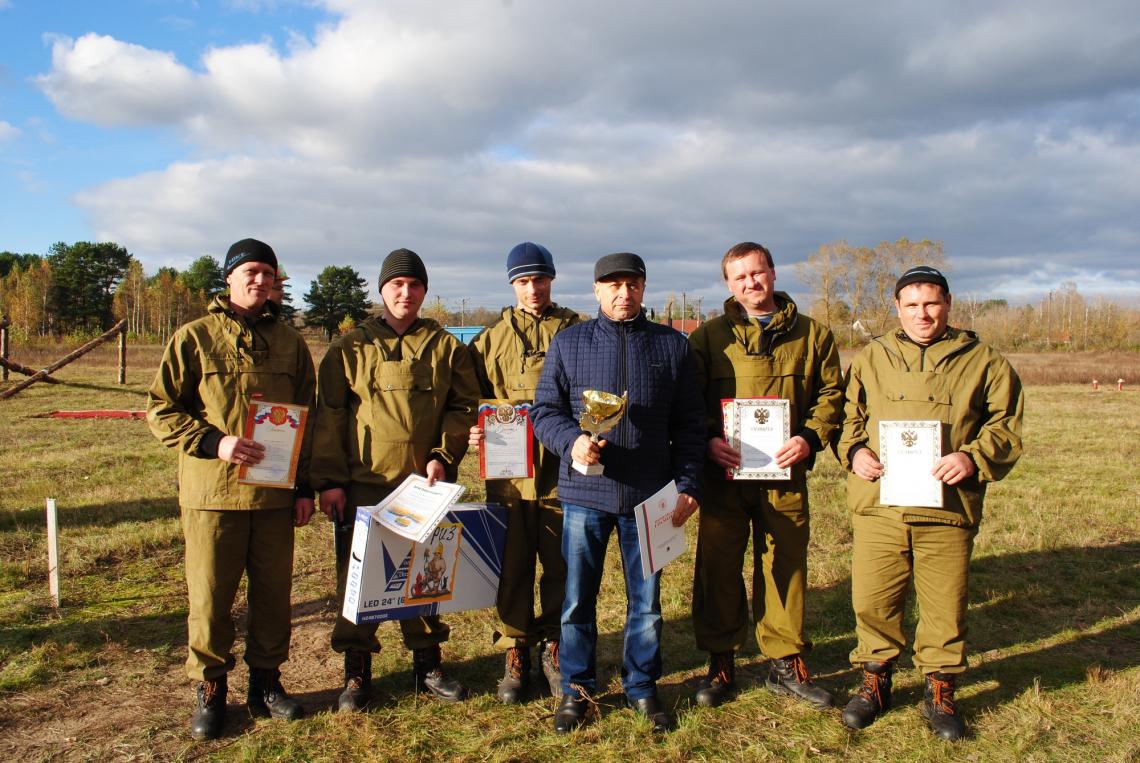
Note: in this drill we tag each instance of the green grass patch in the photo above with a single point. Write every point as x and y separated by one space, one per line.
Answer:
1054 617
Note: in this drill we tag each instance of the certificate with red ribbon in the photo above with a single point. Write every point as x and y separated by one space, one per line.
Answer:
280 428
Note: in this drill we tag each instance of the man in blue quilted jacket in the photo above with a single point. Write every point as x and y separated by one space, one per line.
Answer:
659 438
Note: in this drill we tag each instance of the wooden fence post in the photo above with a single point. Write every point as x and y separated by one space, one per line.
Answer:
123 356
4 347
53 553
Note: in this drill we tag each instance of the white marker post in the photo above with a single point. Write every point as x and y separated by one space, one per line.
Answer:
53 553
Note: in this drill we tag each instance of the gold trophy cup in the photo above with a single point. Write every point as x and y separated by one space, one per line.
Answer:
601 413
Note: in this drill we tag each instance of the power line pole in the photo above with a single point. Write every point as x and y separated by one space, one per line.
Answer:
684 309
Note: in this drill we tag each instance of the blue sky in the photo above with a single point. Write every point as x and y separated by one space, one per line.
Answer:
338 130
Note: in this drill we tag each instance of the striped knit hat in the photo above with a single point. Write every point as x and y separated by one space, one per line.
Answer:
403 262
529 259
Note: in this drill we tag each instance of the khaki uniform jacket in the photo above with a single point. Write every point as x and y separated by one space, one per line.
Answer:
957 380
794 357
508 358
208 373
386 404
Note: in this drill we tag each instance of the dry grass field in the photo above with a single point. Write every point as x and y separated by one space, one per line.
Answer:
1055 612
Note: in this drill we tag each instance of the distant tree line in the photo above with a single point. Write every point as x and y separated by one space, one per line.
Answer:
84 288
852 291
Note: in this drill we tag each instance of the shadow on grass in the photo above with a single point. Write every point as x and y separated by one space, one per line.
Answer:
137 631
91 515
1018 599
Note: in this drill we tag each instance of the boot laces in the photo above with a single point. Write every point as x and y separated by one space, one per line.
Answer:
872 688
799 668
553 652
721 668
209 691
943 692
515 662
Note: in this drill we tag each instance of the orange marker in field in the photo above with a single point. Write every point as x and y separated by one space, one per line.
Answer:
1096 385
1119 385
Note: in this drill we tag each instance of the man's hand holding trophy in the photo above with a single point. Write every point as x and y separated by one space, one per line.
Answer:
601 411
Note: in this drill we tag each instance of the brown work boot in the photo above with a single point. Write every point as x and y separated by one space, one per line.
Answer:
551 670
427 664
209 710
516 675
873 698
720 682
938 707
357 681
790 676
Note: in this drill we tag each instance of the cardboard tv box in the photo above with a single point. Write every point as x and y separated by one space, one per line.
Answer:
457 568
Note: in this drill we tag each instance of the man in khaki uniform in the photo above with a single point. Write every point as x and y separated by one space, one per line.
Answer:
395 396
925 371
508 360
211 369
760 347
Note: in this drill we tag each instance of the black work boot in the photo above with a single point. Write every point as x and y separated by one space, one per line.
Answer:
938 707
651 708
210 709
551 670
357 682
873 698
571 713
720 682
516 675
426 664
790 676
268 699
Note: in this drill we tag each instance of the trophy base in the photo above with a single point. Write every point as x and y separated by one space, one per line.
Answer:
592 470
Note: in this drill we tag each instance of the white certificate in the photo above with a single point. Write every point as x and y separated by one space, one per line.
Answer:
413 509
659 540
280 428
508 439
757 427
908 451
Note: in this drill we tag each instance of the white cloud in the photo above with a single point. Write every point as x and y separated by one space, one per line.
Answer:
1008 132
8 132
101 80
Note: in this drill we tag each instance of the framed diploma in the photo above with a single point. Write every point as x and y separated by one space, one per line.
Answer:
757 427
280 428
508 440
908 451
659 541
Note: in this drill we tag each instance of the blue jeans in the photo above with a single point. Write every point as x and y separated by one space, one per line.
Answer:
585 533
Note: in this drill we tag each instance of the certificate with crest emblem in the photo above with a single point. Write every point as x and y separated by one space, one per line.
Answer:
757 427
280 428
908 451
508 440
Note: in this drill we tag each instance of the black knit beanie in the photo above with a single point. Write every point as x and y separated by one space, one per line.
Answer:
249 250
403 262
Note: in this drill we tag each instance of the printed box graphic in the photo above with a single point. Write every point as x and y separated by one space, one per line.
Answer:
457 568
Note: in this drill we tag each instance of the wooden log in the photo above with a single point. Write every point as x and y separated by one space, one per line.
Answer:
39 375
20 368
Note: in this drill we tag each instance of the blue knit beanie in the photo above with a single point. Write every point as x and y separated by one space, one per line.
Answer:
529 259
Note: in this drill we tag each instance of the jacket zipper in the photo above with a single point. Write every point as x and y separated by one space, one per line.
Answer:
623 377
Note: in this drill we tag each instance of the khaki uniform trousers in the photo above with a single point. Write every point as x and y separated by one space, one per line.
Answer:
777 522
220 546
534 532
418 632
886 555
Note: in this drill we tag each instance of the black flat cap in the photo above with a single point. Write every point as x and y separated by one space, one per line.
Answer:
615 264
